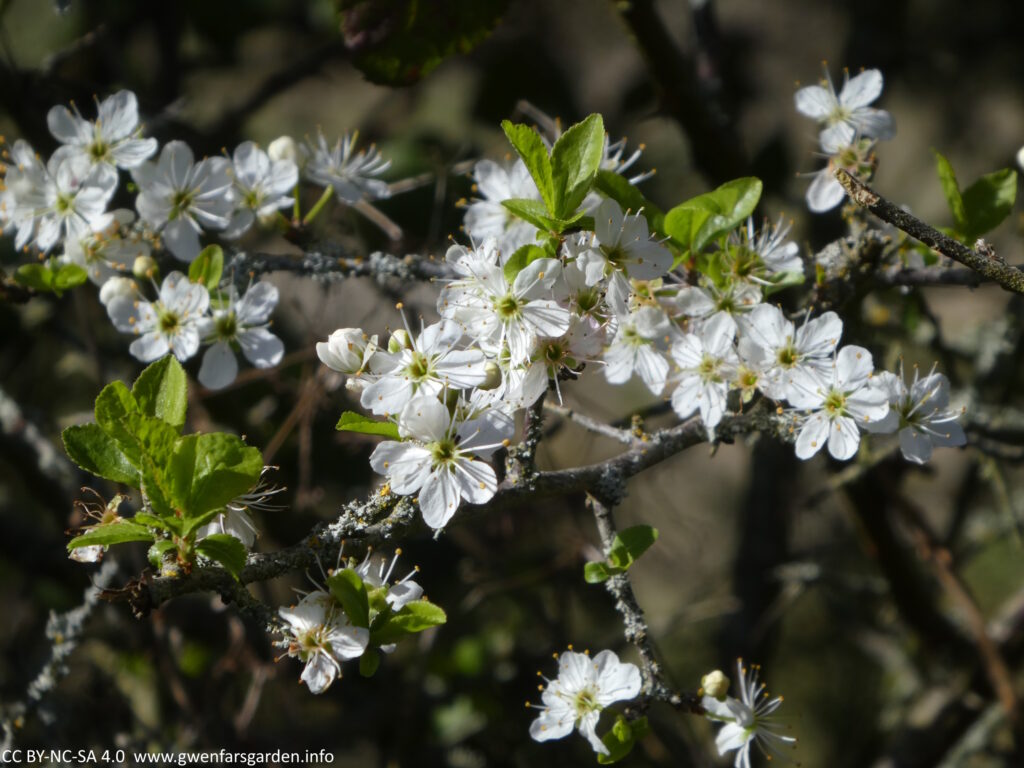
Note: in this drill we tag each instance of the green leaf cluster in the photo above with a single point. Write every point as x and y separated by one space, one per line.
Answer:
627 546
982 206
49 277
186 480
708 217
563 176
366 606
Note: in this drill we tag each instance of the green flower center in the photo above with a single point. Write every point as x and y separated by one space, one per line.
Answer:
169 322
508 307
835 403
99 150
419 368
443 453
181 201
787 356
227 326
585 701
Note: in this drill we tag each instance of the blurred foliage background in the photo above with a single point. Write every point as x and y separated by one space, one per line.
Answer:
757 556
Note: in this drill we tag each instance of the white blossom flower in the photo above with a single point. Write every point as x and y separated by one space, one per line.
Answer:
920 413
348 172
707 362
757 257
622 244
181 197
320 634
748 720
487 218
583 688
436 459
169 324
262 186
857 158
424 366
838 406
636 348
113 139
614 159
64 200
847 116
244 321
786 353
109 252
347 350
496 313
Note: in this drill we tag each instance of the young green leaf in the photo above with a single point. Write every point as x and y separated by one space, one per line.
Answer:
951 190
207 268
575 160
36 276
349 590
530 146
112 533
357 422
988 201
630 543
161 391
226 550
418 616
533 212
698 221
114 405
597 572
206 471
621 738
97 453
521 258
68 276
369 662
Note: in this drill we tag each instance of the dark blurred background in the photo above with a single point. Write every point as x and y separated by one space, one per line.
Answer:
756 556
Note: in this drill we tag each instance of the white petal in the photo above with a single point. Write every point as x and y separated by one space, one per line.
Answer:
815 101
853 367
824 193
181 239
861 90
843 438
439 499
813 435
424 418
915 445
219 368
260 347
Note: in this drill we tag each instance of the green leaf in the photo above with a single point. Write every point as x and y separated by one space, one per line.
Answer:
630 543
629 198
349 590
192 522
151 521
951 190
369 662
521 258
531 149
621 738
357 422
988 201
114 405
161 391
226 550
575 160
99 454
112 533
37 276
68 276
706 217
414 617
156 553
597 572
207 268
397 42
533 212
205 472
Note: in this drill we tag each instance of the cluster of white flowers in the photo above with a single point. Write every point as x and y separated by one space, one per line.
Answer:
849 130
610 297
61 208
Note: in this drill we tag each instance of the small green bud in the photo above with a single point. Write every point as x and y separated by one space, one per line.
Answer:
493 380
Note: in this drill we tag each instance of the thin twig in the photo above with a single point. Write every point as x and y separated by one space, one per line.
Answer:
990 266
624 436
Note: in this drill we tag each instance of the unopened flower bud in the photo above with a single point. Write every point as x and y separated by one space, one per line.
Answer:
283 148
493 380
144 267
399 340
715 684
116 286
345 350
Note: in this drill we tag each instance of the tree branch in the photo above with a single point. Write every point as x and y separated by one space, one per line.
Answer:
987 265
